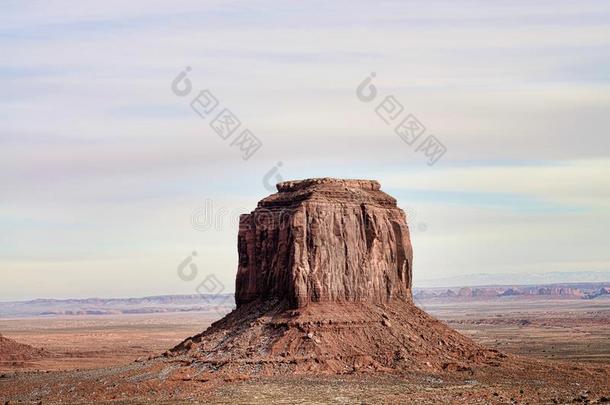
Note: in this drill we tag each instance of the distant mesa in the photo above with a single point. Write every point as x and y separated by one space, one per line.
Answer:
585 291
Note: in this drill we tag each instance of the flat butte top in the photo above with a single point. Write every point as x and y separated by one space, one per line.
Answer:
328 190
294 185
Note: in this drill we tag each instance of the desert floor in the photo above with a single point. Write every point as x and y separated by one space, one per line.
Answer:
81 342
576 331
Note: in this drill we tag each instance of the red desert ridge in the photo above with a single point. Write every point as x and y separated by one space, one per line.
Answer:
14 352
324 288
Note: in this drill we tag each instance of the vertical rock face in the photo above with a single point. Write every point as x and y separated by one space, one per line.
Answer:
321 240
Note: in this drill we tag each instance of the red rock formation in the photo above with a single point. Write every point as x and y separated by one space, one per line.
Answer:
324 285
325 240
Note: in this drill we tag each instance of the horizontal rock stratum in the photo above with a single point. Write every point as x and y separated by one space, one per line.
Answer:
325 240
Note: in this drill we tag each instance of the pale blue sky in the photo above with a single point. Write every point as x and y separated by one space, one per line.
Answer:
102 166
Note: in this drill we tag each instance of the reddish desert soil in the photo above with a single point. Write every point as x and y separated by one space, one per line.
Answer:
83 342
554 329
12 353
573 334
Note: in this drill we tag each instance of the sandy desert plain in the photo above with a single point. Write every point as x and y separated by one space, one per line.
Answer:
572 333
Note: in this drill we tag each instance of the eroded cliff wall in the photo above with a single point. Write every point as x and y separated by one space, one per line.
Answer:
320 240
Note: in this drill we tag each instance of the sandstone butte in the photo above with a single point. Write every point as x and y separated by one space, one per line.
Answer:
325 240
324 285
